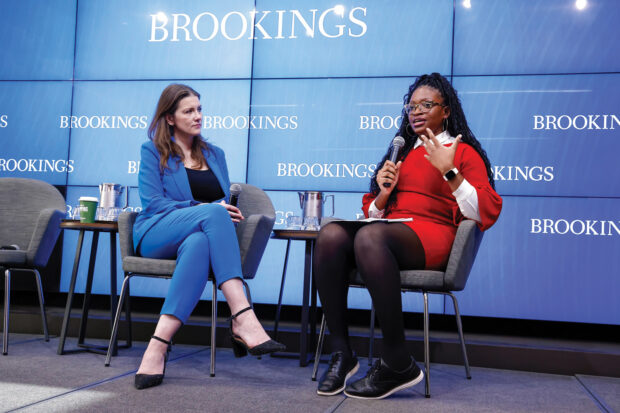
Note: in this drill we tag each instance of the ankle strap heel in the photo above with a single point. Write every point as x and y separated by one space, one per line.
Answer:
232 317
143 381
169 343
240 348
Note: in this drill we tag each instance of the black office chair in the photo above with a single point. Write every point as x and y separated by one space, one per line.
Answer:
253 233
454 278
30 215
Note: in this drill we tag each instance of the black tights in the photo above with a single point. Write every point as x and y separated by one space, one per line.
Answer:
379 251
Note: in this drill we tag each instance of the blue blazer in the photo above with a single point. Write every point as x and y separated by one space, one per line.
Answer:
163 192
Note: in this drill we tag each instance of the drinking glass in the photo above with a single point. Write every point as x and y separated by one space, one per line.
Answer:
113 214
311 223
293 222
76 212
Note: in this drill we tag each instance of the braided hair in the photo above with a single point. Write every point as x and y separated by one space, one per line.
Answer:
457 124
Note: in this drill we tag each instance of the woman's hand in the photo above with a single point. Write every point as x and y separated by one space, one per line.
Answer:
438 155
235 213
388 174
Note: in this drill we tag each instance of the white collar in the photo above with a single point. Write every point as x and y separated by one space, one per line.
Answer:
443 138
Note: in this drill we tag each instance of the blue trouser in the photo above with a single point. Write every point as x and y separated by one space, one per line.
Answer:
200 237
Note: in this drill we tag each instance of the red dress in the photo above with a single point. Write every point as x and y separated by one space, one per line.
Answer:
426 197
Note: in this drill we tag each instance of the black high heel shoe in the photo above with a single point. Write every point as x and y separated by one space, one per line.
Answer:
144 381
241 349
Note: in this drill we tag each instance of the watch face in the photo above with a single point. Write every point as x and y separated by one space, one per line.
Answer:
449 175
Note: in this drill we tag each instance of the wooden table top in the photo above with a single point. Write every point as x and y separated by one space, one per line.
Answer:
297 234
106 226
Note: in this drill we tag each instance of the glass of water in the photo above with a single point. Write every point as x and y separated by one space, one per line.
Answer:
311 223
76 212
293 222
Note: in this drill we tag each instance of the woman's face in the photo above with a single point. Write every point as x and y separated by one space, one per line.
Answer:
187 119
426 110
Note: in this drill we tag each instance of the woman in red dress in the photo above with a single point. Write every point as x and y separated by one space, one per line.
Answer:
441 177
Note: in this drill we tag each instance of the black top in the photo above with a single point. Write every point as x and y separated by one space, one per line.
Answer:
204 185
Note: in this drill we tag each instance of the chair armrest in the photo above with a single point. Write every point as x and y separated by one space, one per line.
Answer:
462 256
253 233
125 233
44 237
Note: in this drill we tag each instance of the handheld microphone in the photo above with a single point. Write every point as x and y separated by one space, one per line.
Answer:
397 144
235 191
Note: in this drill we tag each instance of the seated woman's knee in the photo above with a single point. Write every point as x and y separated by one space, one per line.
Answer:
196 241
331 235
368 237
212 211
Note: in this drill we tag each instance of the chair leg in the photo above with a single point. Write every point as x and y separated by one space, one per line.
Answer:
319 348
7 306
128 317
427 356
117 317
276 322
213 326
42 304
459 326
371 340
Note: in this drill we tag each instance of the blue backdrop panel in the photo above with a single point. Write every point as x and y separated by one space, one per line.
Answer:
37 39
535 36
108 130
338 129
33 144
547 258
297 109
355 38
147 39
561 132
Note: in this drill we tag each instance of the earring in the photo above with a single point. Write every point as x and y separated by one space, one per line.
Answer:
445 124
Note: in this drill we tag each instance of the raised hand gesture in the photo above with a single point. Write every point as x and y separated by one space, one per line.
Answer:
439 156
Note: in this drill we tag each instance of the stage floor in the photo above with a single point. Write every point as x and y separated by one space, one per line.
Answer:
33 378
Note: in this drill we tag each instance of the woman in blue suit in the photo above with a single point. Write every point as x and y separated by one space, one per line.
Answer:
184 185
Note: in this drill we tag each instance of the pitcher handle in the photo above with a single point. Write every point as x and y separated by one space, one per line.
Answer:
333 203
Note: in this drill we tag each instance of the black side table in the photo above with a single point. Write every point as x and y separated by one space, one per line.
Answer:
308 308
110 227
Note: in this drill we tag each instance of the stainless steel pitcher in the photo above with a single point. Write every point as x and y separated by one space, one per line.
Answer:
312 202
110 195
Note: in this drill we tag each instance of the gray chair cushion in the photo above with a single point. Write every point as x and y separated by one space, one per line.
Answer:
413 280
148 266
418 280
12 258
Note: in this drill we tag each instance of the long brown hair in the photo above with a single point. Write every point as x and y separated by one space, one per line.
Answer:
161 133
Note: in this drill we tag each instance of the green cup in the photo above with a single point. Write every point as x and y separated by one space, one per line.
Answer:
88 207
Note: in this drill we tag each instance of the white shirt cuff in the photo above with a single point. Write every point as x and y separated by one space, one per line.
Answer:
467 199
373 212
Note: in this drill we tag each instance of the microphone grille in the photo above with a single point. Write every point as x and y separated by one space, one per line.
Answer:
235 189
398 141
